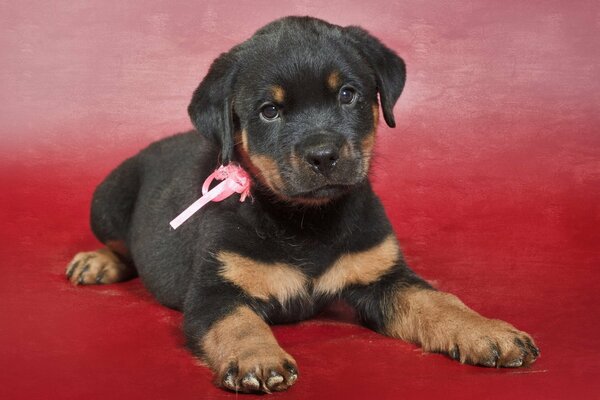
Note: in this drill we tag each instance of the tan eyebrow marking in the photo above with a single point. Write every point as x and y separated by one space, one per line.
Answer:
334 80
278 93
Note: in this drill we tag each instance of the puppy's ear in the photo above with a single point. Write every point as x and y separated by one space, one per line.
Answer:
211 106
389 69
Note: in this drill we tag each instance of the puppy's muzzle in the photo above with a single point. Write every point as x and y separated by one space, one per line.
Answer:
321 151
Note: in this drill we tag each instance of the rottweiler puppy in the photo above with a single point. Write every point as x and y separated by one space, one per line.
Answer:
297 107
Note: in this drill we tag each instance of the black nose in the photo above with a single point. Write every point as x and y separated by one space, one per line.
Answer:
322 158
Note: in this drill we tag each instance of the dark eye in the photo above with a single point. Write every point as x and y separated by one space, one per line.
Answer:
347 95
269 112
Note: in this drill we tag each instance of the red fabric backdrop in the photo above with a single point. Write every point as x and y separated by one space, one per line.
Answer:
491 179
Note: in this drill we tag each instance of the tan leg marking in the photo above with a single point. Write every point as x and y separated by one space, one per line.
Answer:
245 355
278 93
440 322
98 267
359 268
243 139
334 81
263 280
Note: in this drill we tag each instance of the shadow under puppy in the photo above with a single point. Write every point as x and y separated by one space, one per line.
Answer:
296 106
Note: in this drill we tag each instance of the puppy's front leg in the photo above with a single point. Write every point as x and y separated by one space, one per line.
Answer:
400 306
237 344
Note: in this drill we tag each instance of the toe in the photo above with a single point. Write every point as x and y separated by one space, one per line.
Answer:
71 268
250 382
275 381
291 372
229 379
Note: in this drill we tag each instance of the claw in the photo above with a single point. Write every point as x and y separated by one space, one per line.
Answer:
455 353
535 352
101 274
71 268
514 364
83 271
99 277
495 356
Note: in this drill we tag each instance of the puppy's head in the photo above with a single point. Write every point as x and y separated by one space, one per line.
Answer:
297 106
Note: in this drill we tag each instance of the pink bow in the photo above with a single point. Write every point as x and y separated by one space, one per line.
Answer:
235 180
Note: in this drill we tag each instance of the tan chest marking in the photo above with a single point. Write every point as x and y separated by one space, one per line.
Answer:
263 280
360 268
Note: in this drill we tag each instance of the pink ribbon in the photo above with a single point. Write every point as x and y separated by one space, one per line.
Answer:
235 180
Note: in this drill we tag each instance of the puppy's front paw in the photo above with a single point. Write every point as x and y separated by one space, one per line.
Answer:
243 353
259 373
441 323
491 343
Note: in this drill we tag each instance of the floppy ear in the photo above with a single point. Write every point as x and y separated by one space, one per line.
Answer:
211 106
389 69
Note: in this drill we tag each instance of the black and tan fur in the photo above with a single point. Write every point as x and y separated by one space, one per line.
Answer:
297 106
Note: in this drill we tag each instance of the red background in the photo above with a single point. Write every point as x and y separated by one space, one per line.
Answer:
491 179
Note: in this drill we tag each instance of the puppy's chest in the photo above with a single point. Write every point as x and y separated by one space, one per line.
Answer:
320 275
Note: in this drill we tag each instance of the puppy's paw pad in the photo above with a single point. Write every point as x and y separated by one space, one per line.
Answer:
258 376
96 267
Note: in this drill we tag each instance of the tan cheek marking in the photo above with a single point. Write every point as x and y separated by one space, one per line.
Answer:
296 161
241 337
263 280
262 167
244 140
268 170
367 151
346 151
333 80
278 93
369 141
359 268
375 110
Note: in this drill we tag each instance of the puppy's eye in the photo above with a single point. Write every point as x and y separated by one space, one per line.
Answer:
347 95
269 112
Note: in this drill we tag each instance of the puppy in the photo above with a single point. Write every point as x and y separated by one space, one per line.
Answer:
296 106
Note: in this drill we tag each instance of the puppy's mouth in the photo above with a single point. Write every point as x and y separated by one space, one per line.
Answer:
305 186
324 192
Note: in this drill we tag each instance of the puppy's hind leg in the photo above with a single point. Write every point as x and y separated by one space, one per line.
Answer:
102 266
112 205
